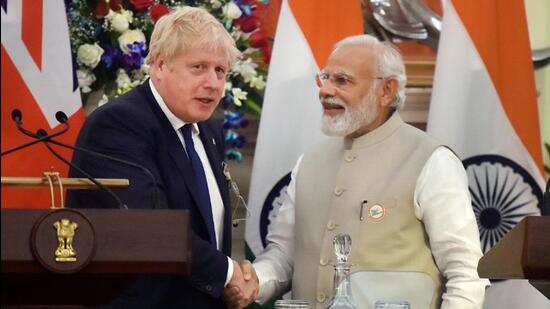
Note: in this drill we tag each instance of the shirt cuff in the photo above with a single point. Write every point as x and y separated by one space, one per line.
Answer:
229 271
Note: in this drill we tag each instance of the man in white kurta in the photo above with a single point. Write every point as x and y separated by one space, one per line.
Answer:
401 195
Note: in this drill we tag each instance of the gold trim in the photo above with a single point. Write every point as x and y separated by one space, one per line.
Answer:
420 72
73 183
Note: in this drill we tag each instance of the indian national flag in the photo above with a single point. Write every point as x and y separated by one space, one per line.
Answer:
484 107
291 113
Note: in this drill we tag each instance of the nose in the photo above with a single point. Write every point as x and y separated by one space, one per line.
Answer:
326 88
212 80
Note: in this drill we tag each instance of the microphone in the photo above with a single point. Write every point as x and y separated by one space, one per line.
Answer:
42 133
17 117
62 118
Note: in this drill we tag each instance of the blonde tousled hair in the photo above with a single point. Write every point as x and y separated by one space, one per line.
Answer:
187 27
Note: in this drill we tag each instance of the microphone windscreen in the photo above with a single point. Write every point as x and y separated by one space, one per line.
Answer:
16 115
41 133
61 117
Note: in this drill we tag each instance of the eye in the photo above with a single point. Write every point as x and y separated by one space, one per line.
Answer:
323 77
221 71
341 80
198 67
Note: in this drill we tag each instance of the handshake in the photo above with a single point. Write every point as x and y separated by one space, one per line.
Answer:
243 287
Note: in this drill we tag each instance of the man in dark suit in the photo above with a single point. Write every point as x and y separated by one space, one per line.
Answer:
164 126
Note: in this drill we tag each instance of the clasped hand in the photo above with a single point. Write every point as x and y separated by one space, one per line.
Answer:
243 287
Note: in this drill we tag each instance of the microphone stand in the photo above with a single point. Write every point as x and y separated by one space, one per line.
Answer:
90 177
156 203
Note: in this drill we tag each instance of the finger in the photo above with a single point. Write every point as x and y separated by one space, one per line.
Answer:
247 270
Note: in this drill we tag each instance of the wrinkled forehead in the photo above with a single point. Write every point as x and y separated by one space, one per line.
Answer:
356 60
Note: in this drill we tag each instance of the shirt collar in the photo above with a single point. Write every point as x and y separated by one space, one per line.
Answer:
173 119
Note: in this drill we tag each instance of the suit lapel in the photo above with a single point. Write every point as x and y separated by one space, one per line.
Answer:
175 147
213 157
216 163
181 161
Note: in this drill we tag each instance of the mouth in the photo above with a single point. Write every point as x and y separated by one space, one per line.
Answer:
332 109
206 100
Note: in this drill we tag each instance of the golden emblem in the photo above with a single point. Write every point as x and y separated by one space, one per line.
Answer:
65 234
376 212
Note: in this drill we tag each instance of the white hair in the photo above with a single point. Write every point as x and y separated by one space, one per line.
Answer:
389 62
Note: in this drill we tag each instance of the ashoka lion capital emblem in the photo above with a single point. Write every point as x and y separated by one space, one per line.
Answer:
65 234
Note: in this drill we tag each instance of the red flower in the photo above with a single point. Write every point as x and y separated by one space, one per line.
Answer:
159 10
258 39
267 53
248 23
101 9
141 5
260 10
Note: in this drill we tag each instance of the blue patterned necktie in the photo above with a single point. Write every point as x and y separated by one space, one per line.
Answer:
200 178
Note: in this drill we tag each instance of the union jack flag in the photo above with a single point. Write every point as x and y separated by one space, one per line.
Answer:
38 79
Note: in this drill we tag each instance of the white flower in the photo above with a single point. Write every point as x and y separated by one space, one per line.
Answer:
145 68
257 82
104 99
119 22
122 79
250 50
238 95
140 75
231 11
247 69
89 55
228 86
130 37
85 79
238 34
215 3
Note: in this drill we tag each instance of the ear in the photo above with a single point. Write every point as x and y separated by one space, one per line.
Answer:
389 91
158 67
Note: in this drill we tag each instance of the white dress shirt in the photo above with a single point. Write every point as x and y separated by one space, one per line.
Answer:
441 201
215 196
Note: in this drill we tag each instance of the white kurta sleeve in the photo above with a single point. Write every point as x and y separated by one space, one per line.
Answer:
274 266
443 204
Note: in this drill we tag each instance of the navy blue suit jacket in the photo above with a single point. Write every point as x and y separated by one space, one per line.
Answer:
134 128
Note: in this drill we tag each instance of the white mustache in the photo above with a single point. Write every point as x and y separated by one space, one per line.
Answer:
333 101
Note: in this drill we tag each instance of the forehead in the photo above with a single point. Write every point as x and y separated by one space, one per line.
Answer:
205 53
353 59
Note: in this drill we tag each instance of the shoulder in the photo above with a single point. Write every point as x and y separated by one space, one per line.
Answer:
130 115
133 104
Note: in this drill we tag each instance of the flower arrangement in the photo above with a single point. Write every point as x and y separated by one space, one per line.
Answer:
109 40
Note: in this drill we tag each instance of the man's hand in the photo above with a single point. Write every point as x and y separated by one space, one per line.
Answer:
243 287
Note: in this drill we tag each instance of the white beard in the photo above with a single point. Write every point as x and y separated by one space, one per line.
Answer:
352 119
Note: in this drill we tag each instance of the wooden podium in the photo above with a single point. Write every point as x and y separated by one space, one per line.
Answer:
58 257
523 253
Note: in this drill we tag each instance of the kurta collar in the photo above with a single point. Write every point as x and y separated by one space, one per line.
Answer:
377 135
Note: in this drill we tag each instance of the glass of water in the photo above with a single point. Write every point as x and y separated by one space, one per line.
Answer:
291 304
382 304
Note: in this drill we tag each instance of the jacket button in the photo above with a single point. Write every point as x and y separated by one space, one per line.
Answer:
331 225
321 297
323 262
349 157
338 191
208 287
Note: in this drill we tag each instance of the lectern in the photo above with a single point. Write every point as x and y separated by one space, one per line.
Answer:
523 253
57 257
